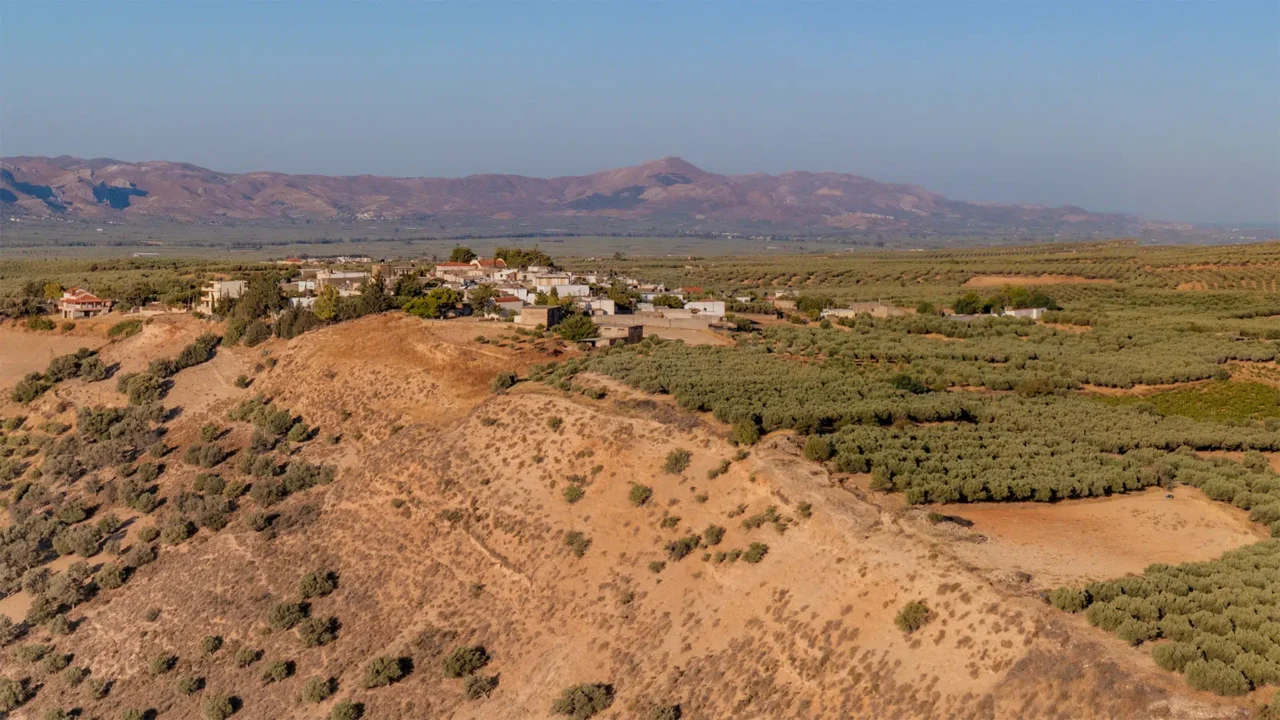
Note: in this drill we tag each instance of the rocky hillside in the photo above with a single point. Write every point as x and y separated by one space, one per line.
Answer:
669 193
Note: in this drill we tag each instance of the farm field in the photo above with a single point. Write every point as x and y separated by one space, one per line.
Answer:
382 516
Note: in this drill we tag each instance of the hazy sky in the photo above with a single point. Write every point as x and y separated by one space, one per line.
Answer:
1171 109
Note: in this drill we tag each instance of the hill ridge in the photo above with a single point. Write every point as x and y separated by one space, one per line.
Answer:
669 193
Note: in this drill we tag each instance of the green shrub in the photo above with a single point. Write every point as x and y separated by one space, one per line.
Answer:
576 327
73 676
678 550
383 671
913 616
177 531
317 689
677 461
162 664
255 333
583 701
13 693
755 552
318 583
314 632
503 380
577 542
210 644
347 711
464 661
1071 600
1216 676
745 432
246 656
573 493
818 448
276 671
110 577
713 535
190 685
639 494
219 707
285 615
205 456
477 687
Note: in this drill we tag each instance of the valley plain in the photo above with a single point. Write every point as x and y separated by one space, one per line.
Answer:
798 513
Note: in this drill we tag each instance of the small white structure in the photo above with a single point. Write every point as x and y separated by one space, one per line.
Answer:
1033 313
577 291
600 306
706 307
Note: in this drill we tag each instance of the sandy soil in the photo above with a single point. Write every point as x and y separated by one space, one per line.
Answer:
23 351
1138 389
688 336
987 281
1099 538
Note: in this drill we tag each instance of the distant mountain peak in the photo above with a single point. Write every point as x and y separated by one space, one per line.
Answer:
669 194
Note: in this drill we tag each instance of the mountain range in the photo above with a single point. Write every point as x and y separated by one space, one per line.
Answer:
669 194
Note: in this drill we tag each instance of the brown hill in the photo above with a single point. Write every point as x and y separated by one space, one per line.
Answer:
448 526
668 193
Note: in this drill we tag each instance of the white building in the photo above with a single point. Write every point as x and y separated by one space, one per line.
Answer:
550 280
1033 313
217 290
577 291
706 307
600 306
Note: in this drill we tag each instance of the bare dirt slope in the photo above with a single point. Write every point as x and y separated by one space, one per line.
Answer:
448 525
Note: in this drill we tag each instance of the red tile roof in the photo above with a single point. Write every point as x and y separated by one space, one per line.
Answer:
507 298
78 296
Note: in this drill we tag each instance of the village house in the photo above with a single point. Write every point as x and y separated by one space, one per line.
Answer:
547 316
390 273
608 335
79 303
599 306
547 281
453 272
509 303
347 282
706 307
217 290
874 309
573 290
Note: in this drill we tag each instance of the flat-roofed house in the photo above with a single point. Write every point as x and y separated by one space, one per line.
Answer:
547 316
550 280
346 281
706 307
454 272
390 272
216 290
79 303
1033 313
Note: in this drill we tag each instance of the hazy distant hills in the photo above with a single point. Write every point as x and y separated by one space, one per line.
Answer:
668 193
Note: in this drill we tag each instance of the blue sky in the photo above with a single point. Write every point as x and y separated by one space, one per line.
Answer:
1171 109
